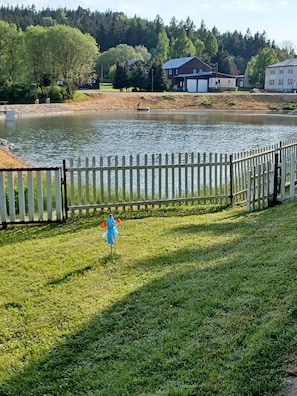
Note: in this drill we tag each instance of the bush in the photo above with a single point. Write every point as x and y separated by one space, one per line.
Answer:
54 92
289 106
18 93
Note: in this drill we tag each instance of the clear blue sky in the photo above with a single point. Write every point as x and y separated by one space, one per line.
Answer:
276 17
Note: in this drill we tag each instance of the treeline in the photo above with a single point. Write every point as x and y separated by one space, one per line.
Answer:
230 50
40 48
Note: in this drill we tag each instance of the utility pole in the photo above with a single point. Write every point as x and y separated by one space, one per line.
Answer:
152 80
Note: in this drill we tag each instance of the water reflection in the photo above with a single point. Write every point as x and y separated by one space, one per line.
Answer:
49 140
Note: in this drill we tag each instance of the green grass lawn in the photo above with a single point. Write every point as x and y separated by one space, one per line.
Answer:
186 305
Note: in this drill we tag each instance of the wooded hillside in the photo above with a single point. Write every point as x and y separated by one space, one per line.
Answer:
228 49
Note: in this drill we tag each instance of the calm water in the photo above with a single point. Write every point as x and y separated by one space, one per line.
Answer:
46 141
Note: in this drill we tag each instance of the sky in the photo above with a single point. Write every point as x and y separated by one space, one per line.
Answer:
276 17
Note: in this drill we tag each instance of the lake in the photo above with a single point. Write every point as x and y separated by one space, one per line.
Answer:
47 140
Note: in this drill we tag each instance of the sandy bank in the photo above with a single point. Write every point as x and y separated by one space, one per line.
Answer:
128 101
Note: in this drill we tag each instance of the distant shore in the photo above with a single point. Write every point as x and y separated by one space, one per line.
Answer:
129 101
174 101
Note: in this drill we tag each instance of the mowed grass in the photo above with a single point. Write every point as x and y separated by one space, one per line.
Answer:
186 305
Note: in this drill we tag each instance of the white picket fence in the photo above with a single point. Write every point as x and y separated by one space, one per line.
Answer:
113 182
134 182
258 178
30 195
270 182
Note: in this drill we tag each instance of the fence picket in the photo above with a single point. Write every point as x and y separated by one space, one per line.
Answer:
21 195
94 181
87 176
30 196
49 206
40 195
292 176
3 208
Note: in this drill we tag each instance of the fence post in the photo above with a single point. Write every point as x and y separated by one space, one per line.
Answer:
249 189
231 179
274 195
280 151
64 188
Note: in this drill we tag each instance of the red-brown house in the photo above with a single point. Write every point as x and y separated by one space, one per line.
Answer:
191 74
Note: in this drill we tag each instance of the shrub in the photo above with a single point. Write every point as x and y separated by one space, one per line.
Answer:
54 92
289 106
18 93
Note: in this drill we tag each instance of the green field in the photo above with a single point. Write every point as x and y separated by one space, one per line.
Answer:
187 304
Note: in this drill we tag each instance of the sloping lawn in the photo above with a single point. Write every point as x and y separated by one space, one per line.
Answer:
186 305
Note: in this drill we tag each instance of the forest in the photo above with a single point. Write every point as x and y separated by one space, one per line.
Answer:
120 38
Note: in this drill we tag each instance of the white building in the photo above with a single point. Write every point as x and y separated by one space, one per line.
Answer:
282 76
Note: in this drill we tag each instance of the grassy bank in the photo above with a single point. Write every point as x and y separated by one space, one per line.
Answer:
187 305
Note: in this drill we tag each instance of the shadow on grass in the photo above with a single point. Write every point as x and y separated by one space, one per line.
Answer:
67 277
191 332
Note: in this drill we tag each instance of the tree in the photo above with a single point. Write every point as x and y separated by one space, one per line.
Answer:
257 65
189 27
157 80
38 57
225 62
161 52
142 53
200 47
72 54
122 77
120 53
211 45
60 53
11 53
182 46
138 77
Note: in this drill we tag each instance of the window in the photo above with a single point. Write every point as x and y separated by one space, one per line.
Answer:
271 82
280 82
176 71
281 71
194 71
170 72
272 71
290 81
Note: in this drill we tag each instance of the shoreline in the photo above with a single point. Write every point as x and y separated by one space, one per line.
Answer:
173 101
157 101
9 160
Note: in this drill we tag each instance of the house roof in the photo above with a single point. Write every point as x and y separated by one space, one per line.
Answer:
176 63
288 62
